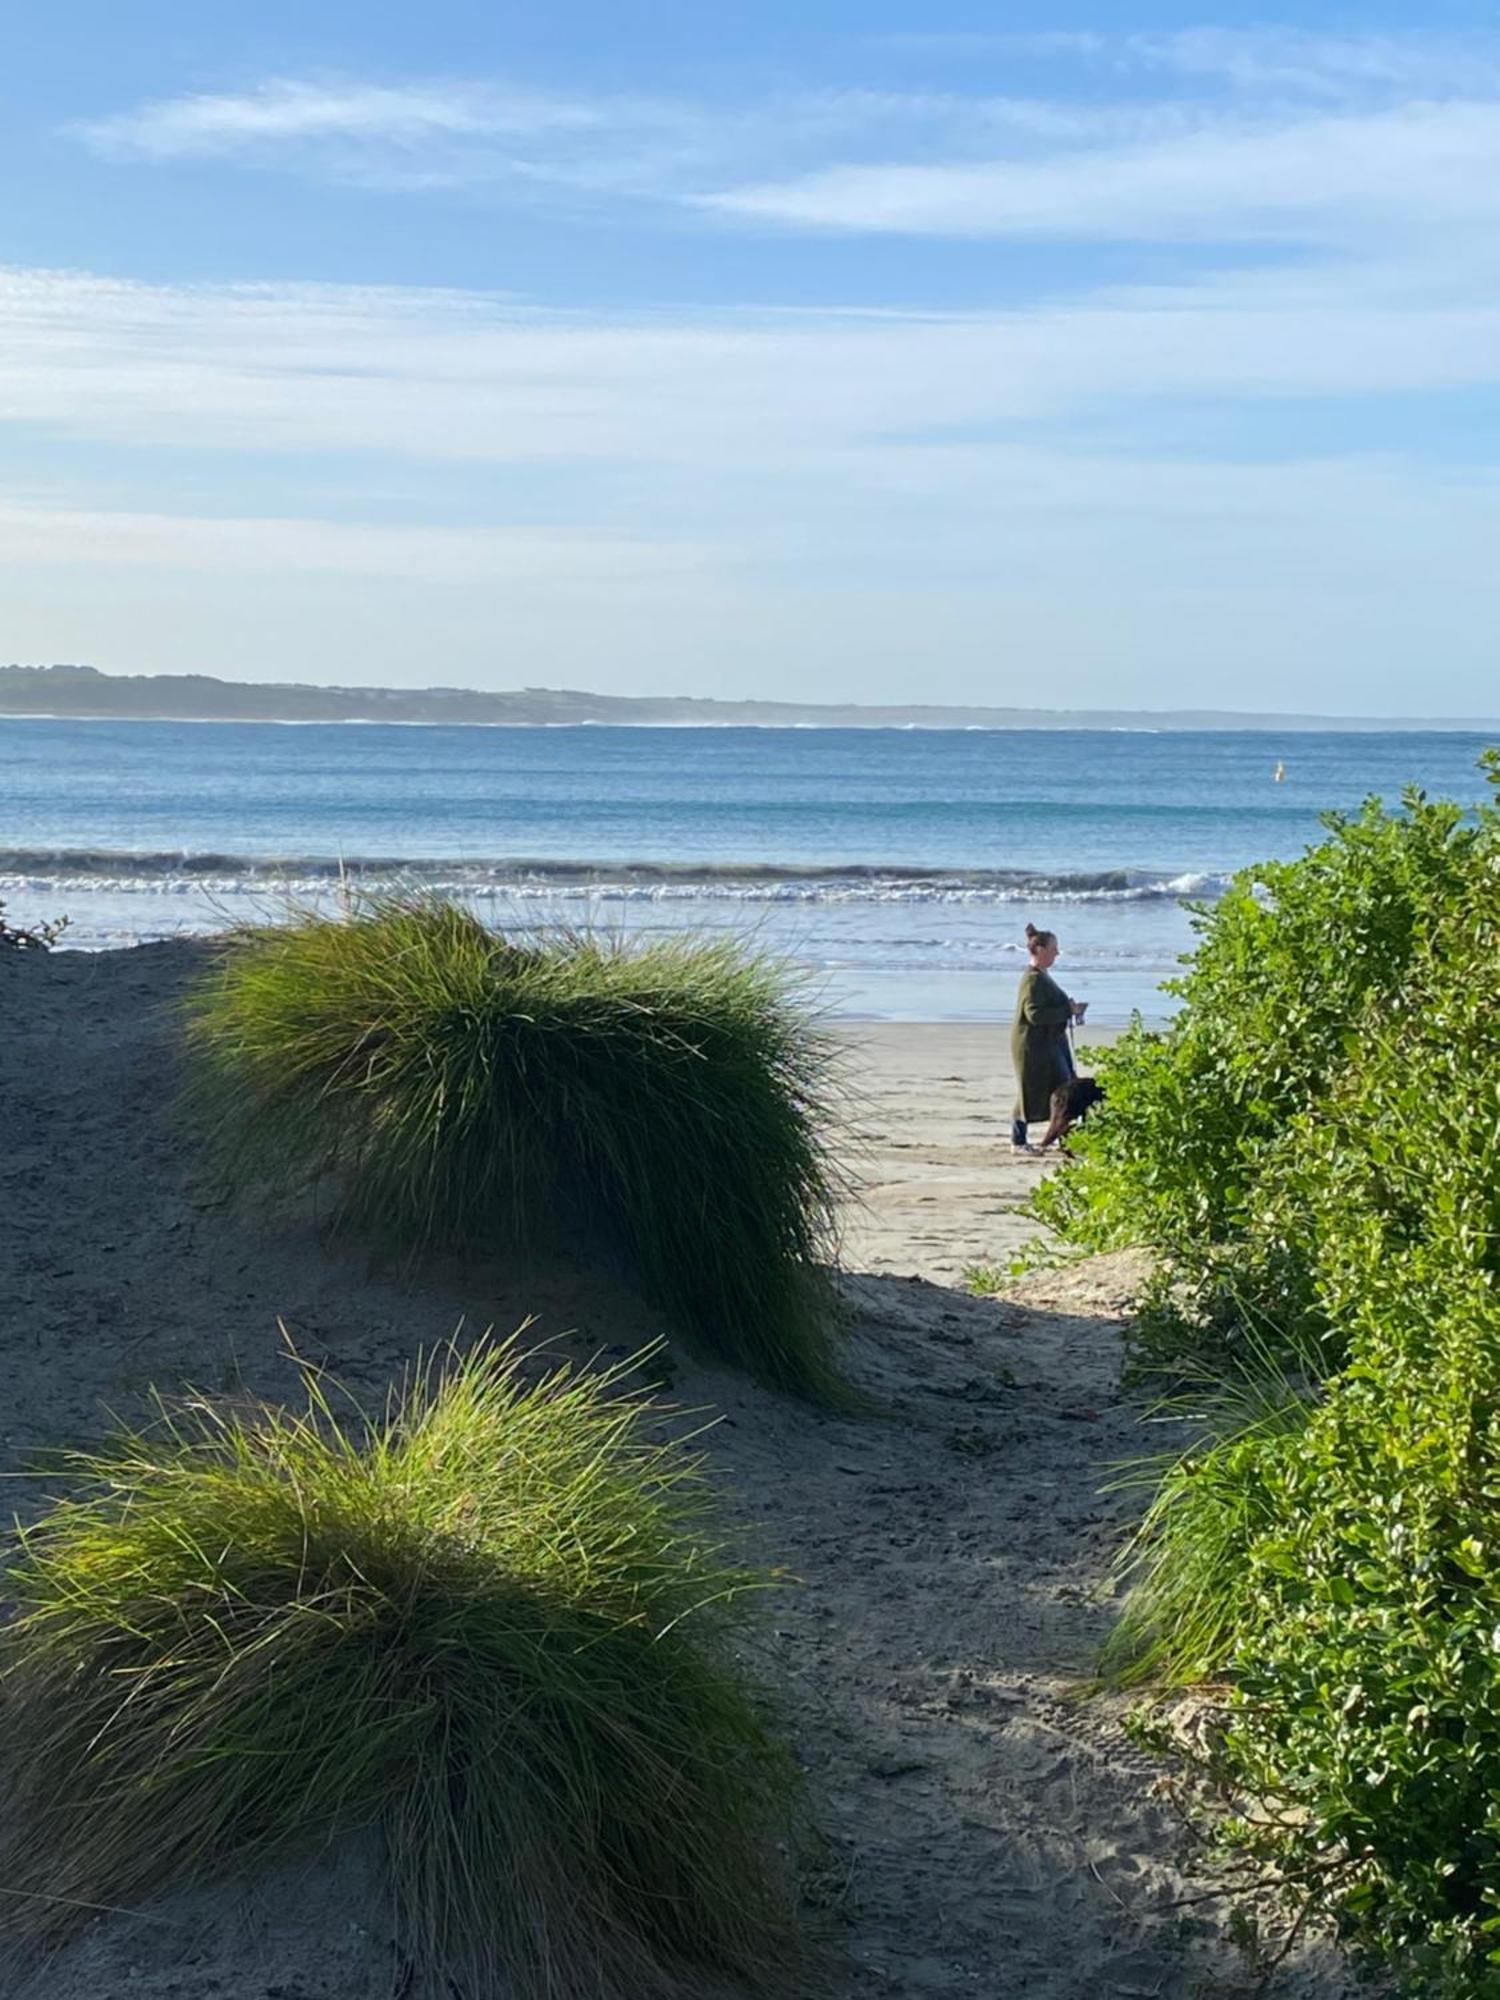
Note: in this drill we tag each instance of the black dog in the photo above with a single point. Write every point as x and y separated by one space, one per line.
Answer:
1071 1102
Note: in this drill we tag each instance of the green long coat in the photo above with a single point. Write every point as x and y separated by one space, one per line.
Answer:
1038 1041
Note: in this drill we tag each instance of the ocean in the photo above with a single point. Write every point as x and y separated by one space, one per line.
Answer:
900 866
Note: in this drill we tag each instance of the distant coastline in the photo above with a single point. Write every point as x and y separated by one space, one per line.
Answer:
85 693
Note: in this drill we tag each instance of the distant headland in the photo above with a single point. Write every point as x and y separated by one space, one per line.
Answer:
86 693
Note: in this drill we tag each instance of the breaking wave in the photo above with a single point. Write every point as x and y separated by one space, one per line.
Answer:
163 873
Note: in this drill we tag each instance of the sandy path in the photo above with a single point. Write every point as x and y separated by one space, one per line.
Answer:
941 1187
987 1832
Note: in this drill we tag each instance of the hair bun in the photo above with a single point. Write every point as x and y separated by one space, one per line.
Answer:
1032 931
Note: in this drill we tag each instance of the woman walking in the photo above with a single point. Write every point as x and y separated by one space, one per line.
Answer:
1039 1037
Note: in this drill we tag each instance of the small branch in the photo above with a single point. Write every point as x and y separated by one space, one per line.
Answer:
35 937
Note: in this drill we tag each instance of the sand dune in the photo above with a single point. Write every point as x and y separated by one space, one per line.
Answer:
987 1831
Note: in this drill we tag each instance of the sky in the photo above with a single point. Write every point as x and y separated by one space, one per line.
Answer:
1132 355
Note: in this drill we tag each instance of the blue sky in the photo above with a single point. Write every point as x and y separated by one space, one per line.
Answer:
1136 356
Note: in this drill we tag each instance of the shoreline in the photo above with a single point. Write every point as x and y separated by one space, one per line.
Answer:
1086 722
859 963
857 1023
1355 726
843 998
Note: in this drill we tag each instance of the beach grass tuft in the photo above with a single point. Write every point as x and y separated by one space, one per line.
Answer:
463 1090
986 1281
493 1621
1187 1568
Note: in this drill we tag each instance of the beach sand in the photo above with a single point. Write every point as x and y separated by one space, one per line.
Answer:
988 1828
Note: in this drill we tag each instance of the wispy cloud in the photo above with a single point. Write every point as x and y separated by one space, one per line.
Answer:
1258 60
1320 178
1212 135
424 134
1291 60
452 375
283 114
278 113
449 134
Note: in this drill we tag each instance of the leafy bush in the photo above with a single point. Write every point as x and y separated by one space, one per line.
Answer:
1369 1667
1198 1155
1366 1711
1342 1568
494 1622
461 1090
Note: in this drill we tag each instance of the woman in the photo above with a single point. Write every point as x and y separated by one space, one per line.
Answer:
1039 1036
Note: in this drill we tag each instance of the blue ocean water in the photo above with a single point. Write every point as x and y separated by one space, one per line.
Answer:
901 865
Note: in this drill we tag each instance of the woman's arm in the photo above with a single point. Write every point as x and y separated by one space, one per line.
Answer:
1045 1004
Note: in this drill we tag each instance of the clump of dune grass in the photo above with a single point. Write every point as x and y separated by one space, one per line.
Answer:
1187 1568
462 1090
985 1281
493 1622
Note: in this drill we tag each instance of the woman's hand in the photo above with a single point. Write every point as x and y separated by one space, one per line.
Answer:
1080 1008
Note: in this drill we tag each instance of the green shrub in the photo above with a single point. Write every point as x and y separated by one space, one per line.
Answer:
459 1090
1349 1561
1366 1710
1369 1667
493 1622
1198 1157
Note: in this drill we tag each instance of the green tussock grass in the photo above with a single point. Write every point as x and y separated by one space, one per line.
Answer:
1187 1568
986 1281
463 1091
493 1622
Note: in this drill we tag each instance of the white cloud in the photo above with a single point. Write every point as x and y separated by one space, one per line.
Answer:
1209 134
454 133
534 145
450 376
421 135
288 111
1326 178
